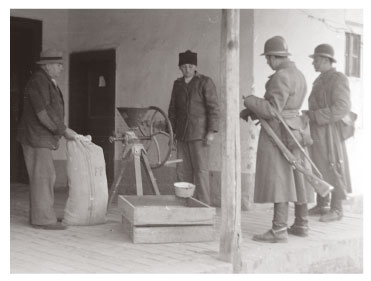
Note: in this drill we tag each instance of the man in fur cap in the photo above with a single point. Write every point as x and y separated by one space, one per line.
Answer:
194 116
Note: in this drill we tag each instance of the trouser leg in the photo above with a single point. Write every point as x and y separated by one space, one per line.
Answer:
280 216
200 163
336 203
184 169
301 215
41 172
336 210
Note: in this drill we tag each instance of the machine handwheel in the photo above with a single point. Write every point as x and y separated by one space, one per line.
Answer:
156 127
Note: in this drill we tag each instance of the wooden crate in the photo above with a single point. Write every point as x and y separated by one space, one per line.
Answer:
166 219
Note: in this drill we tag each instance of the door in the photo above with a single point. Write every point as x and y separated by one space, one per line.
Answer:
25 47
92 99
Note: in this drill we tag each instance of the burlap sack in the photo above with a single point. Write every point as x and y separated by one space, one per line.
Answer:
87 181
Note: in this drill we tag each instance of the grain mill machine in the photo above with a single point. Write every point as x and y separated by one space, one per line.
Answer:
148 142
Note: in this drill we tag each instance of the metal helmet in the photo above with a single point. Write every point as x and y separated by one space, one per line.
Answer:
276 46
324 50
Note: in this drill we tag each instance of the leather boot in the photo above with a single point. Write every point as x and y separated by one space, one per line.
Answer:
300 226
322 206
272 236
332 215
298 230
318 211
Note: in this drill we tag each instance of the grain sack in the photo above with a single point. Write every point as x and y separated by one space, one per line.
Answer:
87 181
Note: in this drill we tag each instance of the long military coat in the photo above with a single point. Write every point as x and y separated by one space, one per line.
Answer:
194 108
335 85
275 180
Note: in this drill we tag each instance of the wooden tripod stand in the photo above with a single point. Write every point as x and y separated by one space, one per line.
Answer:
137 152
146 124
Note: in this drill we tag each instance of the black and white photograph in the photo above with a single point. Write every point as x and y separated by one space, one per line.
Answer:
186 140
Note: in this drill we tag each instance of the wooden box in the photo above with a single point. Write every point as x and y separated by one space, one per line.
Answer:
166 219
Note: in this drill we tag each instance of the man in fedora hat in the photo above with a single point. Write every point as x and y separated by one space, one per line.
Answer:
328 103
40 128
194 116
275 180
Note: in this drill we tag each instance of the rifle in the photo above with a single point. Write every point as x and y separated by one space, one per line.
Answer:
279 117
320 186
336 165
335 157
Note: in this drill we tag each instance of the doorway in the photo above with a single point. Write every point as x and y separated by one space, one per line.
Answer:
25 47
92 99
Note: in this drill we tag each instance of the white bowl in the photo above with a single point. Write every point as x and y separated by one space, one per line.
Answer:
184 189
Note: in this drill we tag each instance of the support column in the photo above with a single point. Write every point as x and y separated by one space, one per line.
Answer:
230 239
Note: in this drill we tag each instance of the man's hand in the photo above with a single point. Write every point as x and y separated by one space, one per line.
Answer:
244 114
250 93
245 100
70 134
305 112
309 113
209 138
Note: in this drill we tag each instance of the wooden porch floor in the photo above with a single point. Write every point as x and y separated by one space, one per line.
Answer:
333 247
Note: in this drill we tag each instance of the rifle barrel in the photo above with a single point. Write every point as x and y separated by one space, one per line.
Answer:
320 186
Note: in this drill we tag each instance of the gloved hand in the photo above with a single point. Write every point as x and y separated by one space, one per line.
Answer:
310 114
244 114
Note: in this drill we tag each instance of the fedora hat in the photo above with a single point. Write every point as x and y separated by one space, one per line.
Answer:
324 50
50 56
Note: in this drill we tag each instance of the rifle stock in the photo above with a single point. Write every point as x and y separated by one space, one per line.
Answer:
320 186
335 165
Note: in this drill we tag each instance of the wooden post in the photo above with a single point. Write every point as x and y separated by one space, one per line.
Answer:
230 238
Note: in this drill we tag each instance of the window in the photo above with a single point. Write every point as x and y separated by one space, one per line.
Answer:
353 54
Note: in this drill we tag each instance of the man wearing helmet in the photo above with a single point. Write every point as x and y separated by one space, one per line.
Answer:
275 180
329 102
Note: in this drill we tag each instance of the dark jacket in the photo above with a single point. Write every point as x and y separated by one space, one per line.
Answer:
335 85
41 124
275 180
194 109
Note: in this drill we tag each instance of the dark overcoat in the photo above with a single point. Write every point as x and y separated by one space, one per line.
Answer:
276 180
42 121
194 109
335 85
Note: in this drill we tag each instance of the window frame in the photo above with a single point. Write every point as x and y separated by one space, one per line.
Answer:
353 54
